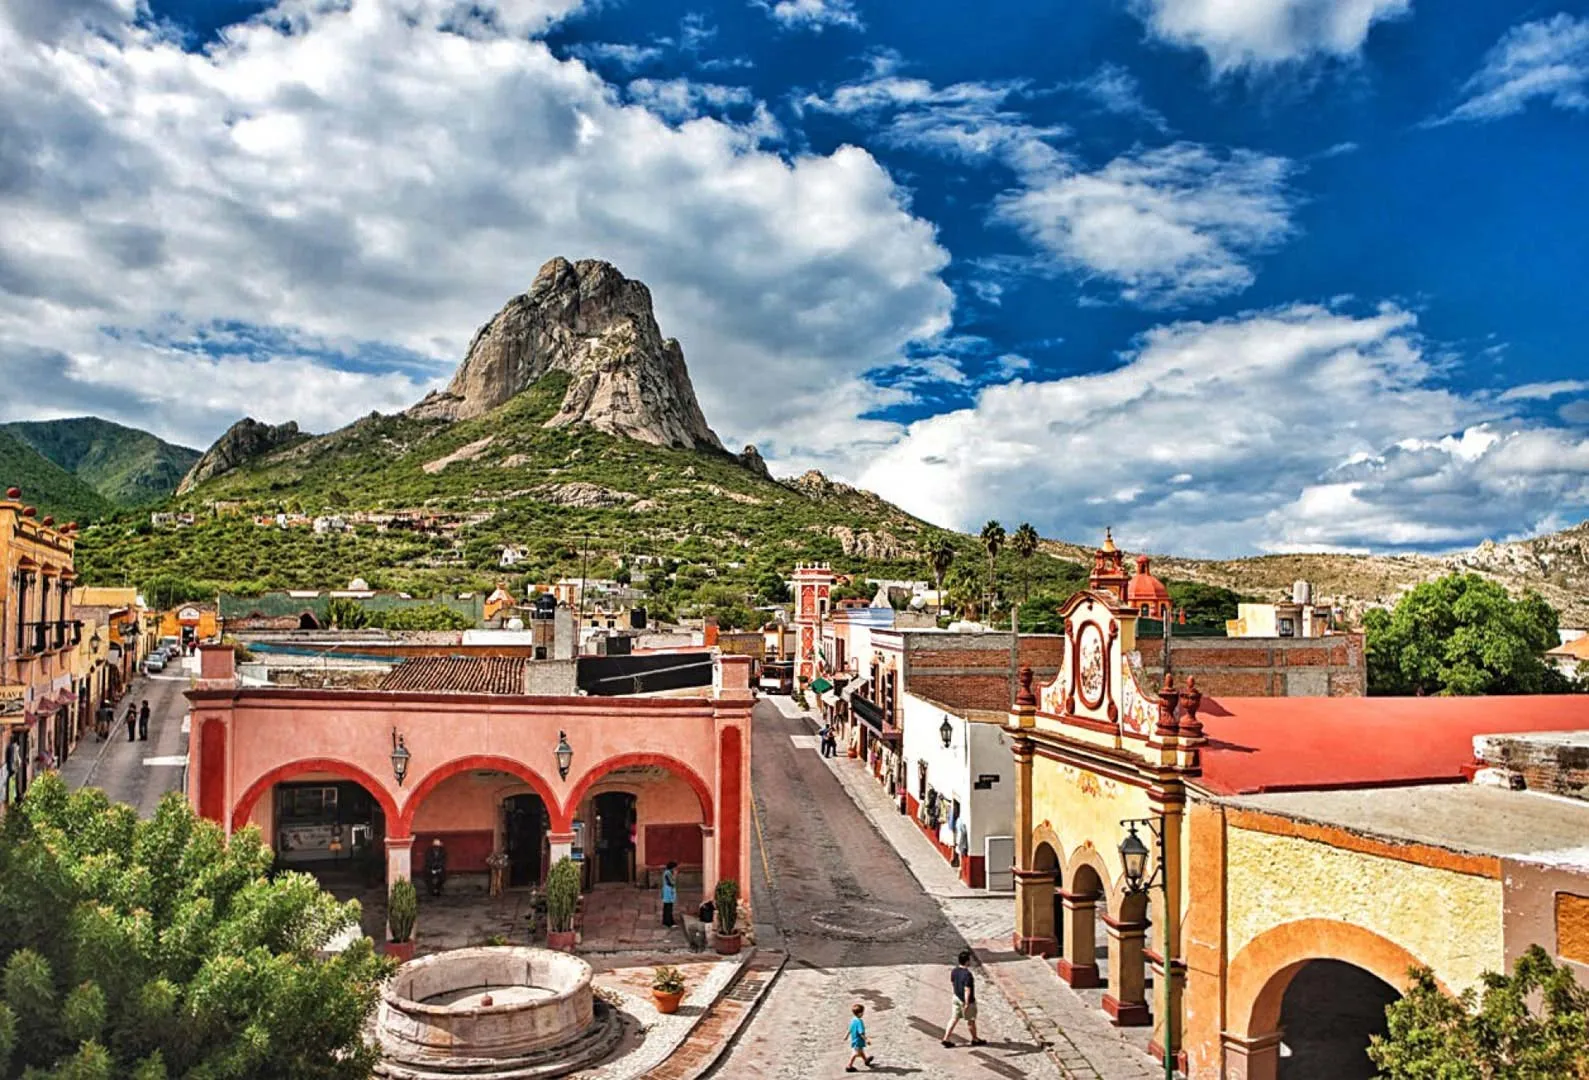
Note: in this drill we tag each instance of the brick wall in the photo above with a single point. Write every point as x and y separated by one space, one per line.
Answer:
1264 667
1556 763
973 671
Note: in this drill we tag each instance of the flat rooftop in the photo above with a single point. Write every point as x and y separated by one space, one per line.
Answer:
1476 819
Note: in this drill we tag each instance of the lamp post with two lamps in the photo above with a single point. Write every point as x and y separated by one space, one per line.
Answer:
1134 856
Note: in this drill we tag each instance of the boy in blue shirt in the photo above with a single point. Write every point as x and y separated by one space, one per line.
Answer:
857 1039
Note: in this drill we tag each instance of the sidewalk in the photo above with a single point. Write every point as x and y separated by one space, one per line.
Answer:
1078 1037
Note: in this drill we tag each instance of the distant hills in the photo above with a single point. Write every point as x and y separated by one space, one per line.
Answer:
46 485
125 467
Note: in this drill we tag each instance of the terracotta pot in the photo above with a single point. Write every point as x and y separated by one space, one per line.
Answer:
667 1004
561 940
401 951
729 944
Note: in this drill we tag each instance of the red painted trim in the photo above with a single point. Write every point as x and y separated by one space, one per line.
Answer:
262 696
471 763
703 792
346 770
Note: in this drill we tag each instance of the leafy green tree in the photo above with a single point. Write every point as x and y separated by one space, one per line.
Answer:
170 590
158 948
1024 543
421 617
940 557
1530 1025
345 613
992 537
1462 634
965 589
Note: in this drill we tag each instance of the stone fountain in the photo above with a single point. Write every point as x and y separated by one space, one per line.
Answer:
506 1013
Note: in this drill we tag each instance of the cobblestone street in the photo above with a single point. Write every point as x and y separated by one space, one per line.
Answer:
141 771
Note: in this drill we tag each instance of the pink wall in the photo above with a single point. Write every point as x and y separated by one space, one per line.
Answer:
349 734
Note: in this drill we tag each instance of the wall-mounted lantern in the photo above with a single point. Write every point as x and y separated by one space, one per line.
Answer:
946 732
400 756
565 754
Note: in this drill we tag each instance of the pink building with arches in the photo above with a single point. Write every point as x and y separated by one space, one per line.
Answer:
649 778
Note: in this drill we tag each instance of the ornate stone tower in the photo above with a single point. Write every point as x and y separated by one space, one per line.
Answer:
812 583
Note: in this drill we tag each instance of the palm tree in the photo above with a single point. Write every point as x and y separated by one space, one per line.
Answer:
1024 544
964 583
940 556
992 540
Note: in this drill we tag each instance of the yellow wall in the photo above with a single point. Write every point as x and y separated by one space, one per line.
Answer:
1449 920
1084 806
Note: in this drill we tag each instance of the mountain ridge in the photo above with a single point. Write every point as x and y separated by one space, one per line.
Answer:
127 466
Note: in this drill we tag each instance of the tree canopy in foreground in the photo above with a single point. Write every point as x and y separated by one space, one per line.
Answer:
152 949
1530 1025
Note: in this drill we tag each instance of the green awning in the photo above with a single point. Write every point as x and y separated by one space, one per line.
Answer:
819 685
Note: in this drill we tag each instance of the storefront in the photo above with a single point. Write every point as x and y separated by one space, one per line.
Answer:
324 824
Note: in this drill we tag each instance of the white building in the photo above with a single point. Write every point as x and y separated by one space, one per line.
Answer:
960 778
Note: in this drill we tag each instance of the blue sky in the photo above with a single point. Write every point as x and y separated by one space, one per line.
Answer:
1286 275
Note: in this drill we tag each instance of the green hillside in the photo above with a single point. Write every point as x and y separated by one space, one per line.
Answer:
46 485
127 466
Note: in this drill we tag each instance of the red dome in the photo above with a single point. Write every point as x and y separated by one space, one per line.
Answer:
1145 589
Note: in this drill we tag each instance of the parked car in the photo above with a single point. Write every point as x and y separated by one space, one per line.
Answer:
155 662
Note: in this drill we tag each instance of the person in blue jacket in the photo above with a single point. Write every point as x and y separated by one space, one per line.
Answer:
670 891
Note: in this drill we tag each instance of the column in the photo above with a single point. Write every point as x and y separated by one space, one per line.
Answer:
709 865
1170 1031
1167 1028
1034 913
1252 1057
1126 1002
399 859
1078 961
561 846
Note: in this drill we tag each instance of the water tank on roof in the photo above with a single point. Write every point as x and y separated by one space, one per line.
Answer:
1301 593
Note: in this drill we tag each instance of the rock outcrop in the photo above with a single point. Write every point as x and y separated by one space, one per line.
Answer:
590 321
243 442
751 458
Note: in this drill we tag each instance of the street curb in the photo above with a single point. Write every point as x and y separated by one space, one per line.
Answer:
745 1018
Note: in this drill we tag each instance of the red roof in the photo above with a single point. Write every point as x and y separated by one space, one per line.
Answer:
458 675
1299 744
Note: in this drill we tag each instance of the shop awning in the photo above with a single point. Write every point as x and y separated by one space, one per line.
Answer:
870 715
855 684
819 685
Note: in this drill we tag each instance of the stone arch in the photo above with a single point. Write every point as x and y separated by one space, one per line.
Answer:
307 620
1045 857
474 762
594 774
1085 871
244 807
1263 969
1084 886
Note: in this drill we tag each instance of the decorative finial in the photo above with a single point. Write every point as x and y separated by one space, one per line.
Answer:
1109 539
1168 699
1025 697
13 493
1191 701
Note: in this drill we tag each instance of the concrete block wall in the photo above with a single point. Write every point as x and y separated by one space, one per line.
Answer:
1264 667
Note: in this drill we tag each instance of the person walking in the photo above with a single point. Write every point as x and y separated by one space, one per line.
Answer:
143 721
670 891
965 1000
132 722
858 1039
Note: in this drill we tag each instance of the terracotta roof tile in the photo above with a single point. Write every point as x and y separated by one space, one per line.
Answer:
459 675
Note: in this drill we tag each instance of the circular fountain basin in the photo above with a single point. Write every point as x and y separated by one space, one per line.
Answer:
543 1018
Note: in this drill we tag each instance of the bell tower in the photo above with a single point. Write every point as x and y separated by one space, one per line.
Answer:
812 583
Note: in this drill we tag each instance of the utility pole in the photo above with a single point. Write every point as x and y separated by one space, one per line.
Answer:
584 563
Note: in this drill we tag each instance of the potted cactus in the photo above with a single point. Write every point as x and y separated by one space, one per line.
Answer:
402 909
727 899
562 900
667 988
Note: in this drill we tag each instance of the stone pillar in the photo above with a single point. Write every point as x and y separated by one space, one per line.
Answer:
709 865
1022 750
1034 913
560 846
1078 961
399 859
1167 1029
1252 1057
1126 1002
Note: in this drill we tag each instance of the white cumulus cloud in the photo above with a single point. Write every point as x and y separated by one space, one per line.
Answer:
1304 427
1261 34
813 14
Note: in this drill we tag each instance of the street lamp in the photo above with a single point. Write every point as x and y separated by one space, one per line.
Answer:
400 756
1134 857
945 732
565 754
93 641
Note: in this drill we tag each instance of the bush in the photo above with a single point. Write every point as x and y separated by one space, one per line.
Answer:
562 895
727 899
402 908
667 979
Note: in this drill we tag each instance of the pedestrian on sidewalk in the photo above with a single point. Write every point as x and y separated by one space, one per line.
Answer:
858 1039
670 892
965 1000
132 722
143 722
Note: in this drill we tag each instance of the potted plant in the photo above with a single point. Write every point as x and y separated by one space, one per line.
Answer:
727 900
562 900
667 988
402 909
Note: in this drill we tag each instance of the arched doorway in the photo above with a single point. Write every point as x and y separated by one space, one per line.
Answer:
324 816
1328 1013
524 826
1046 860
615 827
1078 961
642 811
307 621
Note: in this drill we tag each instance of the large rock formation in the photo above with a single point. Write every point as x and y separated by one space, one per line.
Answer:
243 442
590 321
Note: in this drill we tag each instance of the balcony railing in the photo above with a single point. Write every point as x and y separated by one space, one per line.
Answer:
50 634
35 638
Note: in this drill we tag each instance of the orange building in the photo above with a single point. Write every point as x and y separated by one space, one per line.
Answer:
38 697
1264 870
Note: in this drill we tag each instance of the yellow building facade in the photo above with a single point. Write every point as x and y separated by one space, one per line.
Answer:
38 696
